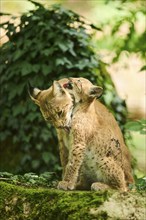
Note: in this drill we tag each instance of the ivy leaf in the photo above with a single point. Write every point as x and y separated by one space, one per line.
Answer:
36 68
26 68
12 94
62 61
46 69
48 51
17 55
63 47
59 61
133 126
46 157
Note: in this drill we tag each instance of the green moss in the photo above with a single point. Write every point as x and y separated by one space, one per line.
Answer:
42 204
21 203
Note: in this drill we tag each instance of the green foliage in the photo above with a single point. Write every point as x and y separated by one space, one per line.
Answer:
47 44
46 179
139 125
125 34
141 184
50 180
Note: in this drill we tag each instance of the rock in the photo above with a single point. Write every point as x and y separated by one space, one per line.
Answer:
17 202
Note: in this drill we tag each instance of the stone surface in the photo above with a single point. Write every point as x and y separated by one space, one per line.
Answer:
17 202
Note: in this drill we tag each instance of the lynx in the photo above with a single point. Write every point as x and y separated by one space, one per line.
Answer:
56 106
92 149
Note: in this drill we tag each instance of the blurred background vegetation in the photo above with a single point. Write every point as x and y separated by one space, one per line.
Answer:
101 40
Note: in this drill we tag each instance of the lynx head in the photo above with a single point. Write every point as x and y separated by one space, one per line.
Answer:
55 104
83 90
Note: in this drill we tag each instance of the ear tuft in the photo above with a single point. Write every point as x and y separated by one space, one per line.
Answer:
96 92
33 93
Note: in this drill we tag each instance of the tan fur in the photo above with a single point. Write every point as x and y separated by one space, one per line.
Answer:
92 149
56 107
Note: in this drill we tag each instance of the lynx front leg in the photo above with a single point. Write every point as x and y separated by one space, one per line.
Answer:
76 156
62 150
63 157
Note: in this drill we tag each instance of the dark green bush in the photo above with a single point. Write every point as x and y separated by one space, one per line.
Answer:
47 44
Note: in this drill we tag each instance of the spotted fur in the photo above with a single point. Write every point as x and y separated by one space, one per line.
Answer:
92 150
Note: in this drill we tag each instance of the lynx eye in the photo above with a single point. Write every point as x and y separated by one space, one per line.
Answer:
68 85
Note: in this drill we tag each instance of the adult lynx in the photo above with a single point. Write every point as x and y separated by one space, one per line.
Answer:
92 150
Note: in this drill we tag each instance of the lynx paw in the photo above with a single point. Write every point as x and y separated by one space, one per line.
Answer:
64 185
99 186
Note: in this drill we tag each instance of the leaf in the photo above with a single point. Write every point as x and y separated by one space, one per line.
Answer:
6 174
59 61
32 116
36 3
17 110
47 175
143 68
35 164
96 28
143 121
143 132
35 18
12 94
3 14
36 68
17 55
63 47
46 69
62 61
48 51
82 64
26 68
46 157
133 126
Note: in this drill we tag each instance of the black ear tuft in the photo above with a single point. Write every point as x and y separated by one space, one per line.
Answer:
33 92
30 89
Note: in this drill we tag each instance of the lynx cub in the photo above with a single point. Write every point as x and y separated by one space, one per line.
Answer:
92 150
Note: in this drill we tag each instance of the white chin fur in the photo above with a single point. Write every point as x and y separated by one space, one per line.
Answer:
69 117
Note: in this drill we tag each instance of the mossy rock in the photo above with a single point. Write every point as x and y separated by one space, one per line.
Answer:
18 203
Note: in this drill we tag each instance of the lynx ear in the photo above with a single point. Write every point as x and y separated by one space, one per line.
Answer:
33 93
57 88
95 92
